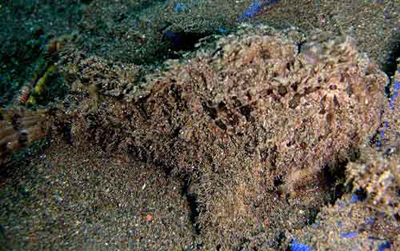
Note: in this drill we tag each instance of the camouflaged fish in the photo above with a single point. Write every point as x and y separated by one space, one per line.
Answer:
270 101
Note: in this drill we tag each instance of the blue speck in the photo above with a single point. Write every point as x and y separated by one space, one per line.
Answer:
378 144
254 8
396 85
297 246
370 221
349 235
392 101
180 7
386 124
223 31
354 198
383 246
173 37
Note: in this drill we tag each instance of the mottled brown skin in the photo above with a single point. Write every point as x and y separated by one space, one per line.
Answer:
252 119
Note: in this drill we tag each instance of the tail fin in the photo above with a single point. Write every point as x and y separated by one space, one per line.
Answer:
19 127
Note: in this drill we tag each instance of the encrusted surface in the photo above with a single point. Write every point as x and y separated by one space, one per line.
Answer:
379 177
262 116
